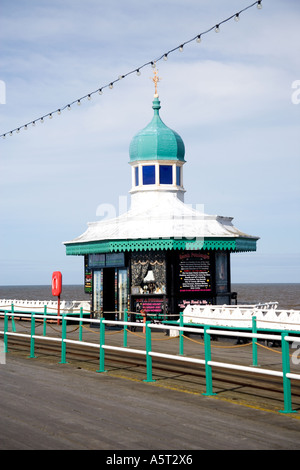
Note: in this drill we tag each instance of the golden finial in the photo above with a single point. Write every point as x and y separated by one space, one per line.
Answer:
155 80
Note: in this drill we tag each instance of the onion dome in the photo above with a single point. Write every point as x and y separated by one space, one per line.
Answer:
156 141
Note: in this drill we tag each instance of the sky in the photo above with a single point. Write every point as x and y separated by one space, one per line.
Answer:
234 99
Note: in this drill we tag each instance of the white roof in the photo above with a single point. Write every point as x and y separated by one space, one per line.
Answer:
160 215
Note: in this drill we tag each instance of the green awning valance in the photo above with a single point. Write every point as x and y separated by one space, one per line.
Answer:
220 244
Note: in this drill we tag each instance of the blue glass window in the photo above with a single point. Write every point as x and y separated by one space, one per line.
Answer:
165 174
136 171
178 182
149 174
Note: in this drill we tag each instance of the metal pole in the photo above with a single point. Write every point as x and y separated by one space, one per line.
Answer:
148 356
58 309
12 318
63 337
5 330
80 324
181 339
286 381
32 336
144 317
125 328
254 342
45 320
102 351
208 371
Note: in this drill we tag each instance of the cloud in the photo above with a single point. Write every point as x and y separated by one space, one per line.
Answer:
229 97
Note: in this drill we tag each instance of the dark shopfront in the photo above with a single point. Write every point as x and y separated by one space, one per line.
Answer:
156 282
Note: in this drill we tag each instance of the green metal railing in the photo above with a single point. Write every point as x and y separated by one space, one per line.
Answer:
253 330
284 336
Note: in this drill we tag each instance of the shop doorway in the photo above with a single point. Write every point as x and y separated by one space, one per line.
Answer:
109 293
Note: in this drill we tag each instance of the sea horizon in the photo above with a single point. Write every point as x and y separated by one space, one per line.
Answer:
79 285
286 294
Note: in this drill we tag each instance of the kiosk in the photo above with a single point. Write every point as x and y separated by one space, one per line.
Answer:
162 254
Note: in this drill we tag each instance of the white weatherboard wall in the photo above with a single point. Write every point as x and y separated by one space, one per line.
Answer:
28 306
241 317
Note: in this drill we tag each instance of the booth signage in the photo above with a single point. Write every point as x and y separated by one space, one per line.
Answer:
194 272
109 260
149 305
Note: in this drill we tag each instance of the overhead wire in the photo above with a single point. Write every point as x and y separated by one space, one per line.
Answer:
136 70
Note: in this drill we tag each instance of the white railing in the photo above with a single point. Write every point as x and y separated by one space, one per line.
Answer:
66 306
267 316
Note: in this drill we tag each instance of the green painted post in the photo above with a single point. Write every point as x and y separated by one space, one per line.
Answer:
102 350
80 324
286 369
125 328
148 357
254 342
12 318
63 337
5 331
32 341
208 371
44 320
181 339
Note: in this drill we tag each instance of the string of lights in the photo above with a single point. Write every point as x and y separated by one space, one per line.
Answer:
137 70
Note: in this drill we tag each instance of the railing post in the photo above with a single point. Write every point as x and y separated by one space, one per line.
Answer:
287 395
44 320
12 318
254 342
32 341
63 337
125 328
102 350
80 324
181 339
148 351
208 371
5 331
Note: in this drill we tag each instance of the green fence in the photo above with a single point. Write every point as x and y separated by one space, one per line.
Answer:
285 337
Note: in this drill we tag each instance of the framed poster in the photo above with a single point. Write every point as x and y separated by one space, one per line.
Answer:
98 292
87 277
122 290
222 272
194 272
149 305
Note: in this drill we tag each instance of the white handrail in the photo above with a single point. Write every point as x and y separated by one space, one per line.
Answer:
243 334
255 370
118 348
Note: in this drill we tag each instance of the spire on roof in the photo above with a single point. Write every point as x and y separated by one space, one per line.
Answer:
155 80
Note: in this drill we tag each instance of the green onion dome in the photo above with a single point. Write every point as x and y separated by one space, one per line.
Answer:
156 141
